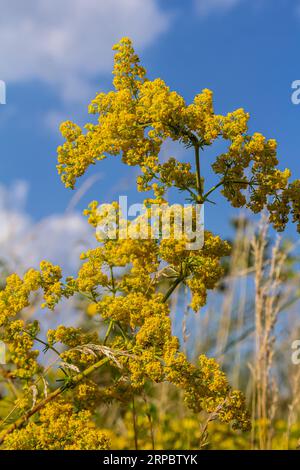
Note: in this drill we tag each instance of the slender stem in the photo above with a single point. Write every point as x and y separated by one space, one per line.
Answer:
109 329
111 323
125 337
223 182
151 431
148 413
194 196
134 424
172 288
112 280
198 172
205 196
47 345
92 299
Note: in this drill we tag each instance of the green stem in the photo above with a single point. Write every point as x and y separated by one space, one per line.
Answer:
47 345
112 280
111 323
198 172
224 182
205 196
172 288
92 299
109 329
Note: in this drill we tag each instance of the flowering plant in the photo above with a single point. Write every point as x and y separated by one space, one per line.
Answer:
128 282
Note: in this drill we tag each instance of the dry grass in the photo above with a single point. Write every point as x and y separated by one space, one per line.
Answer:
250 325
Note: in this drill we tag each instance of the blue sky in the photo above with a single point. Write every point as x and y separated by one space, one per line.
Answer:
54 57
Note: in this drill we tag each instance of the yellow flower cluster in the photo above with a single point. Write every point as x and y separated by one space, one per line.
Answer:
131 309
206 388
250 164
167 174
200 269
73 338
129 76
292 195
20 344
15 297
60 427
132 302
50 282
15 333
140 114
156 357
87 395
128 281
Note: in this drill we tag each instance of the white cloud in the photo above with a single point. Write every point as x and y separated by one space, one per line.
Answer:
206 7
65 43
60 238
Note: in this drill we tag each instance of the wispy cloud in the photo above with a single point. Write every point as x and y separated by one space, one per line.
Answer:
59 238
297 9
67 43
207 7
